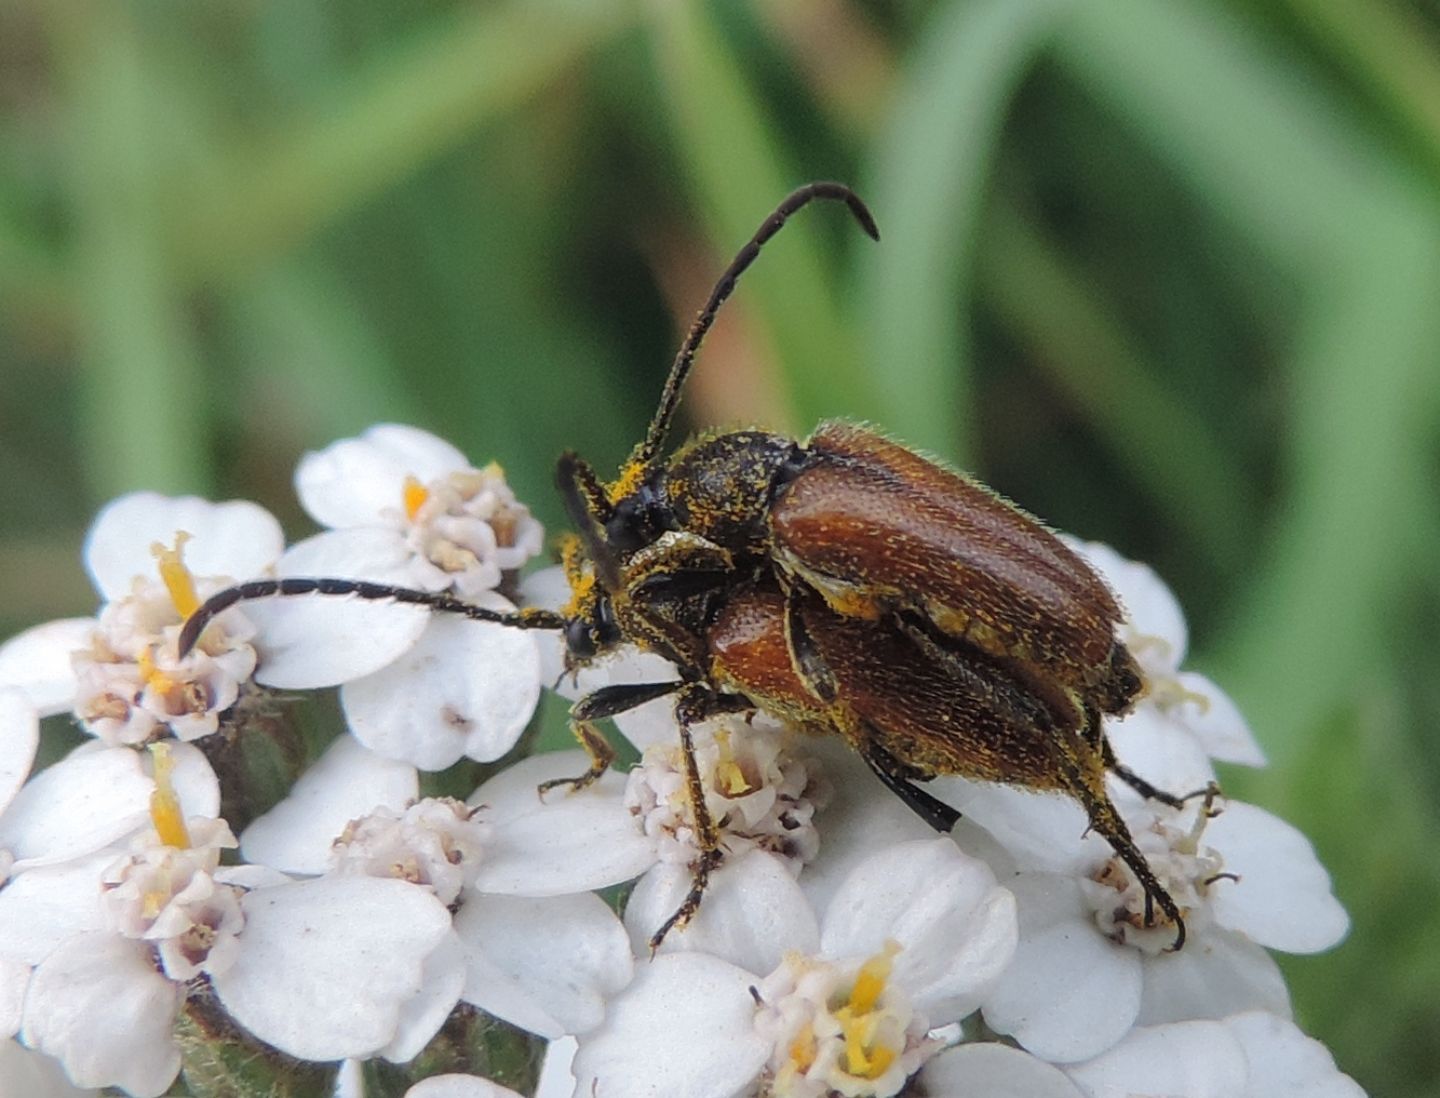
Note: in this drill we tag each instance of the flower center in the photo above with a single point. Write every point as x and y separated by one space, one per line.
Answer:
840 1029
1185 867
757 791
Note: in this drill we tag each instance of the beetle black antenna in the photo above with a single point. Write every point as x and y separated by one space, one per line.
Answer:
670 396
439 601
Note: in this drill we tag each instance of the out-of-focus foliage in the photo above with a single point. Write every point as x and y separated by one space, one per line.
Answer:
1167 272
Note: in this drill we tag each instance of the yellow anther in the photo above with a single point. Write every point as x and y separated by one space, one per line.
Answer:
802 1049
158 681
870 981
415 495
176 577
861 1060
729 777
165 811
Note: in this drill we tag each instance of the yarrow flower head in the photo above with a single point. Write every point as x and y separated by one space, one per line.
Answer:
154 560
911 941
405 508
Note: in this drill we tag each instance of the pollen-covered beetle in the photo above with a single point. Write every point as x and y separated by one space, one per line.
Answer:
847 585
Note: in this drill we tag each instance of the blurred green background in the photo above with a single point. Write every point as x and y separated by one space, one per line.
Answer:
1166 272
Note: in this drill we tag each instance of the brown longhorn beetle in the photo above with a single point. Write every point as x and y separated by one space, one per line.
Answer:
845 584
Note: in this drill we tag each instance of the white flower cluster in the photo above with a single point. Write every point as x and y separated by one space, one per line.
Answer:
841 947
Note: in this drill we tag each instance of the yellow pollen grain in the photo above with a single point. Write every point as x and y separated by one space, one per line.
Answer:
629 480
165 811
176 577
415 495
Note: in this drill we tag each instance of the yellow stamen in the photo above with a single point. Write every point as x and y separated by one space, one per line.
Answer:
415 495
859 1021
870 981
176 577
802 1049
729 777
158 681
165 811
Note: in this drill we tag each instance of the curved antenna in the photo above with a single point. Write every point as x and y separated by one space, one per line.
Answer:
670 396
438 601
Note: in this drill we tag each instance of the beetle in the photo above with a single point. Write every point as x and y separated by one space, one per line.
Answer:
846 584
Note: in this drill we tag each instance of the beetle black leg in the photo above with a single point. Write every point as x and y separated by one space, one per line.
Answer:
696 703
933 811
1111 827
605 702
809 664
1148 791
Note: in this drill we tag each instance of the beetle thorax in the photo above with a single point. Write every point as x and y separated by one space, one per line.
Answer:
720 487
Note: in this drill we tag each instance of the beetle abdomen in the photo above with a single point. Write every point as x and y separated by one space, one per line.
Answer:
875 527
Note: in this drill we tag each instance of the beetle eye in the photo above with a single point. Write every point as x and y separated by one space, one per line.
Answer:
628 527
579 639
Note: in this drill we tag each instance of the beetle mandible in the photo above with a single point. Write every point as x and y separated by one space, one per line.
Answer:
847 585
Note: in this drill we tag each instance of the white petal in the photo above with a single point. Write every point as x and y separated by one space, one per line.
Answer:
98 1005
196 784
956 926
326 966
1043 832
349 1080
459 1086
238 539
569 842
1217 973
345 783
994 1071
464 688
19 736
862 817
350 482
41 908
753 912
1283 898
546 964
556 1078
309 641
653 722
1149 604
422 1016
1070 993
1193 1059
1161 751
375 553
84 802
28 1074
14 980
1218 725
685 1026
1284 1063
37 661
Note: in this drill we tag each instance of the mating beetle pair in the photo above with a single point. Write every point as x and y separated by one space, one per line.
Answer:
846 585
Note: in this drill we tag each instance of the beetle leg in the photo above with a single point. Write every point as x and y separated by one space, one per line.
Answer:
696 702
605 702
805 657
1111 827
1144 788
888 769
